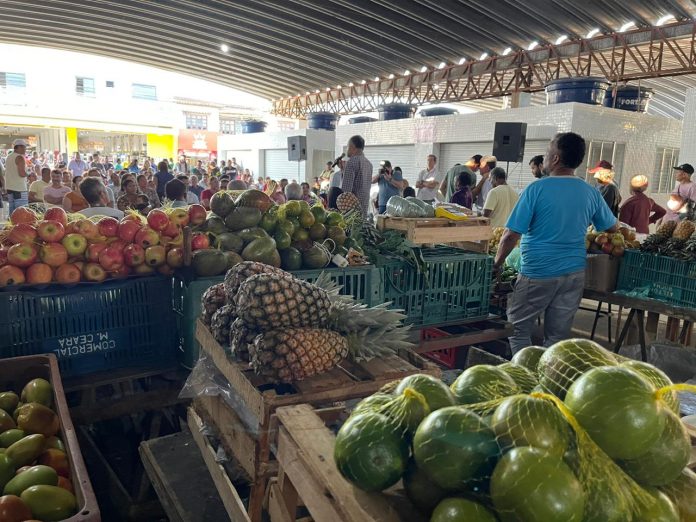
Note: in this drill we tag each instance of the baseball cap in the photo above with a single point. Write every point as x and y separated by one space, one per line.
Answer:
601 165
488 159
19 143
639 181
686 168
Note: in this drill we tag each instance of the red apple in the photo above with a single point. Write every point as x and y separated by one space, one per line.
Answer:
39 273
147 237
607 248
111 259
108 226
79 264
93 251
175 257
165 270
53 254
171 231
3 256
122 272
157 219
68 273
155 255
93 272
134 255
22 255
50 231
23 215
179 216
127 229
11 275
86 228
117 243
57 214
199 241
22 233
143 270
197 214
75 244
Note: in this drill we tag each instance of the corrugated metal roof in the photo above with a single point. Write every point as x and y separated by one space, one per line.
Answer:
284 47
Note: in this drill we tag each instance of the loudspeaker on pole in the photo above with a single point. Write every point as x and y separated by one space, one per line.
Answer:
509 140
297 148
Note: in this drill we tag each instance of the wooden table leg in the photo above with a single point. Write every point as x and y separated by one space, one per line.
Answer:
596 320
641 335
624 331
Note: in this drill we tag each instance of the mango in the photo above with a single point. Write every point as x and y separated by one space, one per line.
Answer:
7 469
9 437
50 503
27 450
34 476
6 422
54 443
38 390
37 418
8 401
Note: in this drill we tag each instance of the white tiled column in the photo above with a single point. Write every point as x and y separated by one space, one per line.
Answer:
687 153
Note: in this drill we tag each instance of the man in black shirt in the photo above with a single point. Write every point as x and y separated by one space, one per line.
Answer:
604 174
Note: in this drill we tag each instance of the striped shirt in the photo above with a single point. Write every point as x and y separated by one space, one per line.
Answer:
357 178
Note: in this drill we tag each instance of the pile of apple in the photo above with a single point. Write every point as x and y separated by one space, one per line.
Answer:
613 244
68 248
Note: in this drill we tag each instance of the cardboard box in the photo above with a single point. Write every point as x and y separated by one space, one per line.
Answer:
601 272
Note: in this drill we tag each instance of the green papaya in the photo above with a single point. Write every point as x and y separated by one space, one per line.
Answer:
222 203
243 217
38 390
230 242
249 234
291 259
262 250
208 262
233 259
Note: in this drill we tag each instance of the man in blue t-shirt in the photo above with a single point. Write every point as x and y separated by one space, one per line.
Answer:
551 217
390 184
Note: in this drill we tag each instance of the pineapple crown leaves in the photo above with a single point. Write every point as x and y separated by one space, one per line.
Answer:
370 343
347 315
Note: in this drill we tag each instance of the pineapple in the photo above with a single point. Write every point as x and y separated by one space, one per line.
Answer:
673 247
684 230
213 299
221 323
665 230
293 354
241 337
242 271
347 202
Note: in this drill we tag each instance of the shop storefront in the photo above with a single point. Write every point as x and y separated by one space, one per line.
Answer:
197 145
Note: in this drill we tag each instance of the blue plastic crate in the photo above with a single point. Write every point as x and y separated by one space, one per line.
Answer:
114 324
364 283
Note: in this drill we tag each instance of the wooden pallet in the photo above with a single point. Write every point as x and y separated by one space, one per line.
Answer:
307 476
471 233
250 445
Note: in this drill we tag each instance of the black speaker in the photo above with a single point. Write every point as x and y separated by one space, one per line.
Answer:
508 142
297 148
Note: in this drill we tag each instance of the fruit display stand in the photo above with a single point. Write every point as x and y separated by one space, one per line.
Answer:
474 232
250 445
307 476
362 282
17 371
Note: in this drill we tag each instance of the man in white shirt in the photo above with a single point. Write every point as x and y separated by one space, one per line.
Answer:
429 181
94 191
501 199
77 165
484 186
16 173
36 189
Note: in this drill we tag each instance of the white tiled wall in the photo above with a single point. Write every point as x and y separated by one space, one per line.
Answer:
641 133
688 142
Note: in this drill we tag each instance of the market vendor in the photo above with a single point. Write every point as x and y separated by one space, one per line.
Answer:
639 211
684 192
551 218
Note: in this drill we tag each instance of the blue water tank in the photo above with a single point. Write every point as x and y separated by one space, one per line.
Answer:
361 119
321 120
253 126
629 98
395 111
580 90
437 111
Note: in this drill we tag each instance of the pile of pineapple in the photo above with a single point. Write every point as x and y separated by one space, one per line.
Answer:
289 329
613 244
674 239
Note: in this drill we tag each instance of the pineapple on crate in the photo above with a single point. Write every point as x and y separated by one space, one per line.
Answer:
221 323
241 337
346 202
655 241
212 300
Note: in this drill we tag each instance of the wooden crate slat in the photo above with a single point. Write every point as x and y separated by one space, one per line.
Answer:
331 379
439 230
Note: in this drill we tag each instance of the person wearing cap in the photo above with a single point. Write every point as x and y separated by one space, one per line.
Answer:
429 180
390 183
449 184
16 175
604 174
684 191
639 211
484 186
551 219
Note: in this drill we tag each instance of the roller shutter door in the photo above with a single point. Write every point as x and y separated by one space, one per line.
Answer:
399 155
453 153
277 166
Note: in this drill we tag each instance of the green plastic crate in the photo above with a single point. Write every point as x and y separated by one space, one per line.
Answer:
362 282
658 277
456 285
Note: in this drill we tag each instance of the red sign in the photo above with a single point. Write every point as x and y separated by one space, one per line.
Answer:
198 140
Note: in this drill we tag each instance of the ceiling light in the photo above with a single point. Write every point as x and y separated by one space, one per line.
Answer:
561 39
391 76
363 82
593 32
407 72
627 26
483 56
507 51
350 84
328 88
317 91
532 45
338 86
462 60
424 68
224 48
307 92
442 65
376 78
663 20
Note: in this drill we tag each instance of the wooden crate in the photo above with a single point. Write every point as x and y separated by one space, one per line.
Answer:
307 476
472 233
250 445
